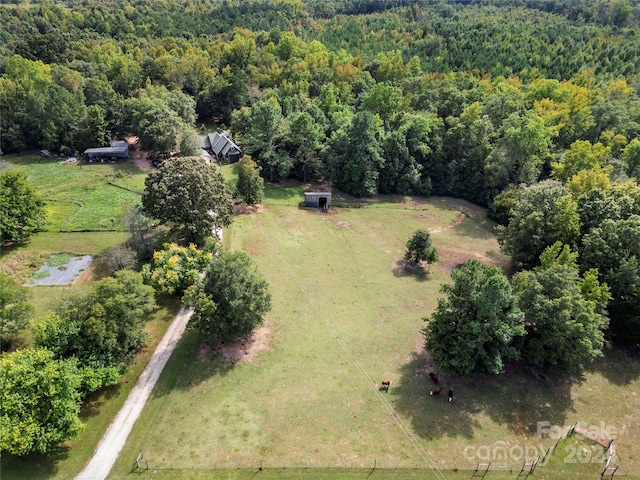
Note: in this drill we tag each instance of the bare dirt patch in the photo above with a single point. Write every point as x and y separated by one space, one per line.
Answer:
343 224
458 221
451 258
247 209
139 158
244 349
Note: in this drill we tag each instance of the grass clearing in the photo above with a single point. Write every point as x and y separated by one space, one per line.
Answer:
82 196
344 317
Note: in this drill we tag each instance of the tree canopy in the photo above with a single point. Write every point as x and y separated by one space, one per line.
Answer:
15 310
564 315
39 400
231 299
475 325
101 326
21 209
190 195
419 248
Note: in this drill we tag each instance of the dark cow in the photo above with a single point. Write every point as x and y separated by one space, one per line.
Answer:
451 394
435 391
434 377
385 385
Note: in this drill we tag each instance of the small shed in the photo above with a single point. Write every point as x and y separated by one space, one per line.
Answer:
118 149
317 199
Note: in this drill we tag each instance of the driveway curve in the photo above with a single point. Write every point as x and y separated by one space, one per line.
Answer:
116 435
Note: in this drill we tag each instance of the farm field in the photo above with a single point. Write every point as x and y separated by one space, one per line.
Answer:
82 196
303 393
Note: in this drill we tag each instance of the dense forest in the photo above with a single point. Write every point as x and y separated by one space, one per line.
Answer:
530 108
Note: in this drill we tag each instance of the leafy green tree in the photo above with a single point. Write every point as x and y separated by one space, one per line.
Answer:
231 299
467 145
266 127
355 155
420 249
581 155
250 184
307 136
383 100
190 195
594 207
564 315
163 120
39 401
631 157
613 249
175 268
474 326
15 310
520 152
21 210
544 213
102 326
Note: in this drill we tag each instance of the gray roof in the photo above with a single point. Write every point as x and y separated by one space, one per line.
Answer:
221 143
119 147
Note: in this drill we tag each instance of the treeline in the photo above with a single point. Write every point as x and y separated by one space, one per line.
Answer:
502 41
381 121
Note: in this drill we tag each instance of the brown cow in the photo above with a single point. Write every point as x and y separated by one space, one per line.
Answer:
435 391
385 385
434 377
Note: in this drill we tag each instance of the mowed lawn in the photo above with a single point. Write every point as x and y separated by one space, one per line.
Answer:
345 317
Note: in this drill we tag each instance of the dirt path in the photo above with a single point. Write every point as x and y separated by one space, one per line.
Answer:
116 435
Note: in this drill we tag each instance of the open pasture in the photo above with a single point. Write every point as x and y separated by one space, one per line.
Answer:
304 392
82 197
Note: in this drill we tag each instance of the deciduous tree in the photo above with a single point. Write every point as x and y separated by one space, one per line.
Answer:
175 268
231 299
419 248
39 400
250 184
15 310
21 210
475 324
190 195
102 326
564 315
544 213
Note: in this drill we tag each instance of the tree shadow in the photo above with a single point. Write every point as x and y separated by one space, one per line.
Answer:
94 402
194 361
618 365
405 268
33 466
518 399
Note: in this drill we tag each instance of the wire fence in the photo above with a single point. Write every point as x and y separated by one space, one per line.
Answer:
501 460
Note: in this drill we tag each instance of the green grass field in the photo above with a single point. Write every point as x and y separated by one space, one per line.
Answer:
345 317
83 196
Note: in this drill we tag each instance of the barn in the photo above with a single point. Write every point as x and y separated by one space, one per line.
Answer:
317 199
118 150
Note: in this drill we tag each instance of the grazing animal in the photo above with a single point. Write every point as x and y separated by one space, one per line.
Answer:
385 385
434 377
451 394
435 391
